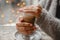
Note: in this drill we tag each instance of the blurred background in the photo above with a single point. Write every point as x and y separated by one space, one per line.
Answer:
9 14
9 9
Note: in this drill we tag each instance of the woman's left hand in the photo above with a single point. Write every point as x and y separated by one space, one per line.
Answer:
35 10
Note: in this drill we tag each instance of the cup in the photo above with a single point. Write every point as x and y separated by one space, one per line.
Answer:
29 18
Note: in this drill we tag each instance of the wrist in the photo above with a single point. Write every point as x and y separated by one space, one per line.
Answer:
38 14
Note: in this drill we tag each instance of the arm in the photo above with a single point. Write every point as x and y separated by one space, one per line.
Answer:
49 23
49 5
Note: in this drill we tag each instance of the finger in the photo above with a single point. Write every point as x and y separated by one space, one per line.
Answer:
29 11
21 29
20 24
28 24
23 24
35 13
29 7
26 8
22 9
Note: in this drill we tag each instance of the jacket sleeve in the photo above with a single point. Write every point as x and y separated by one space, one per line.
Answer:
49 23
53 7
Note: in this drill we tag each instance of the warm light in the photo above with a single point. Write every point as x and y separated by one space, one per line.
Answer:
10 21
2 15
18 4
24 3
21 6
7 1
18 11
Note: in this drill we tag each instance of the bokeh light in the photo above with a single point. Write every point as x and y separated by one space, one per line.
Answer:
9 10
10 21
18 4
7 1
2 15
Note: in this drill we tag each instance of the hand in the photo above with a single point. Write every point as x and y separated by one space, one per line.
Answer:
25 28
35 10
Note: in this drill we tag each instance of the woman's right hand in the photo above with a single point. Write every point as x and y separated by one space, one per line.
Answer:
25 28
